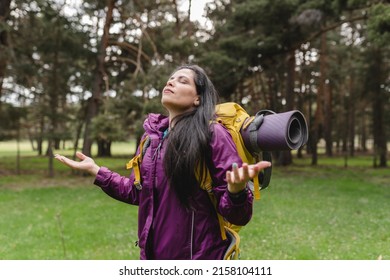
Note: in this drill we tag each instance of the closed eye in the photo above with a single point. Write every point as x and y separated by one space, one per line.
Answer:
180 79
183 80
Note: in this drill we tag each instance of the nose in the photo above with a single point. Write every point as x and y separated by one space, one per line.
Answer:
170 82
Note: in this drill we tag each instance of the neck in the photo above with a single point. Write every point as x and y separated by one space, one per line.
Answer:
172 116
171 121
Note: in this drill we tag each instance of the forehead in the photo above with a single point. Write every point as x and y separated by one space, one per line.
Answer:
184 72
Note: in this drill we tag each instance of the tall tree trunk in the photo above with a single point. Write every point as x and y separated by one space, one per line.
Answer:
310 120
285 157
351 117
78 135
79 128
4 14
352 131
31 139
302 93
177 23
313 140
345 125
18 148
189 10
50 157
319 121
363 132
326 92
328 112
378 107
272 90
40 134
99 75
104 148
53 102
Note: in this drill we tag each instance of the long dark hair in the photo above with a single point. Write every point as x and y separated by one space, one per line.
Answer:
188 141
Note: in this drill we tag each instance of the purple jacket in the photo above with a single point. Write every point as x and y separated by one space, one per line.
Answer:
167 230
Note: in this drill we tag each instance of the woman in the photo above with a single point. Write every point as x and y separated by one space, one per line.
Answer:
176 218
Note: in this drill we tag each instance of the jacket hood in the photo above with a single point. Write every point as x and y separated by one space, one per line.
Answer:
156 124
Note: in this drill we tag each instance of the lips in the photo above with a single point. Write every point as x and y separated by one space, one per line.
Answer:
167 90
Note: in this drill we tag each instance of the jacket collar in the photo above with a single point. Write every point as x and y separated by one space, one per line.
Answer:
156 124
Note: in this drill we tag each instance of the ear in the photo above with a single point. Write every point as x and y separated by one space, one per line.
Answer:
197 101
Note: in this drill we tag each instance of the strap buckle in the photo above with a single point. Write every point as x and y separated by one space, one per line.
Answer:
138 185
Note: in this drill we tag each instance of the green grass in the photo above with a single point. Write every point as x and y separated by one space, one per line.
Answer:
324 212
65 223
8 148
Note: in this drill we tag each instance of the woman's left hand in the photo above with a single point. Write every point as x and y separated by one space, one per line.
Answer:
238 177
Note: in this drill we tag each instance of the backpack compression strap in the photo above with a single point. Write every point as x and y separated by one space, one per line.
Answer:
265 176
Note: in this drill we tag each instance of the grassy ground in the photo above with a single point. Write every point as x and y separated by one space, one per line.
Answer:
324 212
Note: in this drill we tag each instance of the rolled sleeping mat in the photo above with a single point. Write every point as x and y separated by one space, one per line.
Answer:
271 131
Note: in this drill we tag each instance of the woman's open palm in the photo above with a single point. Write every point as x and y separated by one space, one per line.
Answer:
238 177
85 164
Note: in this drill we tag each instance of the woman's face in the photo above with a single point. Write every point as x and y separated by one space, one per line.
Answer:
179 94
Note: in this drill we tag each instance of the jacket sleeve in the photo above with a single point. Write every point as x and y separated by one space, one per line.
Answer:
118 187
236 210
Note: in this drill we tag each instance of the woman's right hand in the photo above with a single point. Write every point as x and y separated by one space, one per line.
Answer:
86 164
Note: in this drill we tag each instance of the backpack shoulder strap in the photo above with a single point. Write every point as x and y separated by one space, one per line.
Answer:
135 162
207 186
234 117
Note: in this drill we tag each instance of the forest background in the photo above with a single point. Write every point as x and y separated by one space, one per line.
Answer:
82 75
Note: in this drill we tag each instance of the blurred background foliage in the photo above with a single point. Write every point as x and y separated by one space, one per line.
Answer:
90 71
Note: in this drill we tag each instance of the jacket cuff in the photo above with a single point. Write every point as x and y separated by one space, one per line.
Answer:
101 176
240 197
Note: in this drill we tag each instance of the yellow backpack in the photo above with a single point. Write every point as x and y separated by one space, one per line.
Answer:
234 118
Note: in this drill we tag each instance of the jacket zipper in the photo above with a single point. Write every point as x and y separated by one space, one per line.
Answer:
158 149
